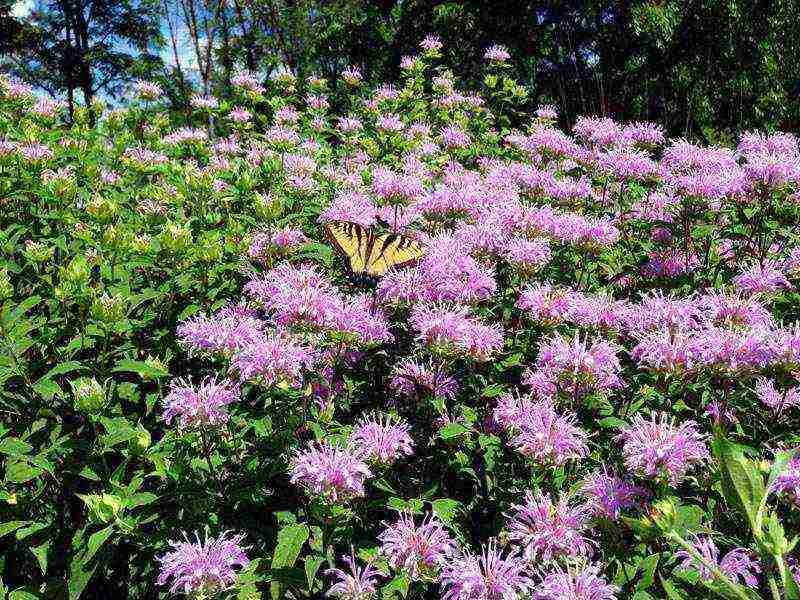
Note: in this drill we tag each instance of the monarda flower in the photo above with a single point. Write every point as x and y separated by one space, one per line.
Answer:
413 379
420 550
658 448
528 255
199 406
762 279
574 368
607 495
382 438
203 568
490 575
575 584
453 330
788 481
497 54
334 472
296 295
274 360
776 401
547 437
360 583
227 330
546 530
736 564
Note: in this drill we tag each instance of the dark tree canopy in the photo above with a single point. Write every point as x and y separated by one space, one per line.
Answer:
702 67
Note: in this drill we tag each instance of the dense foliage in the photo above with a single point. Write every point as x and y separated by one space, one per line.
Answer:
705 69
585 388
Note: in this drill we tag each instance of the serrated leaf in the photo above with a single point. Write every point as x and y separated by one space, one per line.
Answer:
312 565
14 447
96 541
290 541
451 431
446 509
11 527
21 471
141 368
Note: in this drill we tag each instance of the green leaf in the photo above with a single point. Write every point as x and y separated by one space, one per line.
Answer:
96 541
40 552
141 368
452 430
21 471
312 564
290 541
11 527
397 586
446 509
118 430
14 447
742 482
79 576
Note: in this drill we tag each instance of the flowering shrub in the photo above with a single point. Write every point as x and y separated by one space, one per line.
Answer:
585 388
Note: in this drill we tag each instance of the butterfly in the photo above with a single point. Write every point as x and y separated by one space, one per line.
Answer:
370 254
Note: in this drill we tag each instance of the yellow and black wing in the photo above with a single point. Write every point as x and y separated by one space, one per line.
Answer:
353 241
392 250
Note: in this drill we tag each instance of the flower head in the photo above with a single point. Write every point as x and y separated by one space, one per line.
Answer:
203 567
205 404
337 473
419 549
491 575
658 448
382 438
575 584
360 583
546 530
736 564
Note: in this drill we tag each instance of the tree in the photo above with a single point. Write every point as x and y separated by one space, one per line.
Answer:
89 47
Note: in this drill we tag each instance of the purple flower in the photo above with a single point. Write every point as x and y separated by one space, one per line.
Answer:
431 43
659 448
333 472
582 584
229 329
548 437
497 53
382 438
546 530
202 405
776 401
736 564
788 481
274 360
444 273
351 206
412 379
575 368
360 583
488 576
203 568
766 279
419 550
527 254
607 495
453 330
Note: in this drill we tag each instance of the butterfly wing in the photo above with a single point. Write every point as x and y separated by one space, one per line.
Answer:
353 242
393 250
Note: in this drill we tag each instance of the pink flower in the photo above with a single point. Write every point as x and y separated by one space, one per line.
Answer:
418 549
660 449
336 473
546 530
490 575
382 438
